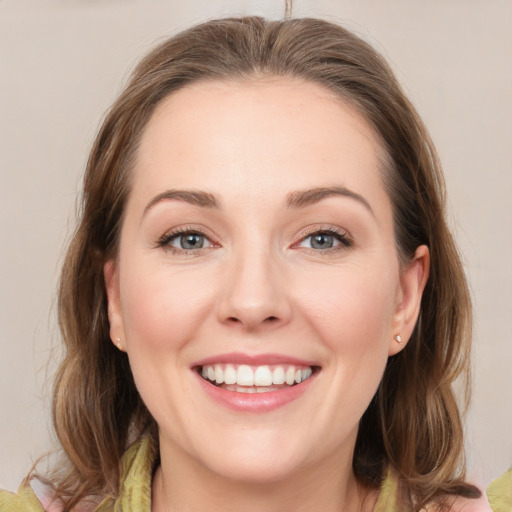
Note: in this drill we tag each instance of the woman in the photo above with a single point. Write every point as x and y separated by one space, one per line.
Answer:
262 306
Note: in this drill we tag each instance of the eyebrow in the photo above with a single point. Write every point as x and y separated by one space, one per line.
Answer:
302 198
194 197
296 199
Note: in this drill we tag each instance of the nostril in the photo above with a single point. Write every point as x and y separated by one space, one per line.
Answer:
269 319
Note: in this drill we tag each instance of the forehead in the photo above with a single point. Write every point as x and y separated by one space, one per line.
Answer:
230 137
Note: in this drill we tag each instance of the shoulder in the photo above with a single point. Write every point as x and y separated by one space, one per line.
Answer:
500 493
24 500
31 497
461 504
388 500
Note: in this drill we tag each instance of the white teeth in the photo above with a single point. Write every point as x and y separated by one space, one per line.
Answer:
219 374
245 376
278 375
260 379
263 376
290 375
229 374
306 373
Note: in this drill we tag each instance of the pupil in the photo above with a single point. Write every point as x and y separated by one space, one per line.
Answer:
191 241
322 241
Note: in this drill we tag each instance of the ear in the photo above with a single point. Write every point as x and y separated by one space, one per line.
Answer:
412 283
115 317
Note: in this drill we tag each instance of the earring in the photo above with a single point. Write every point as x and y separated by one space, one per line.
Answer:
118 344
398 338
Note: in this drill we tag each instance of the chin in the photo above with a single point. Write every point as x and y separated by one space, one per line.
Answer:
255 469
255 457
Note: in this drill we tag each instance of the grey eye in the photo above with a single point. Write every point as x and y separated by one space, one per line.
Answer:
322 241
189 241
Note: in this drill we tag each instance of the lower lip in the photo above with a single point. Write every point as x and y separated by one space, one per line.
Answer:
255 402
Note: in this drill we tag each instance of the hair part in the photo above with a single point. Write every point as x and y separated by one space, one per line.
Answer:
413 424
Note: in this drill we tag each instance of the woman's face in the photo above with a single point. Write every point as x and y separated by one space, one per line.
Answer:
257 250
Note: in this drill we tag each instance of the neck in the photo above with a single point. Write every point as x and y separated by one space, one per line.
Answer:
183 484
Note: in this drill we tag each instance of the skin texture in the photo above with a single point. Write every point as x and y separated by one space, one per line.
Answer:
258 286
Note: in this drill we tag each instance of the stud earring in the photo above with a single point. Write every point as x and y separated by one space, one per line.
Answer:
398 338
118 344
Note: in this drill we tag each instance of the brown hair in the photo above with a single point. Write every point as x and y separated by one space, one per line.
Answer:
412 425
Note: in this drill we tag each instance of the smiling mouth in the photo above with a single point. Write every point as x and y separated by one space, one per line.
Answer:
255 379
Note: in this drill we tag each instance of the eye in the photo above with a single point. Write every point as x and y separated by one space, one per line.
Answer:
186 241
323 240
189 241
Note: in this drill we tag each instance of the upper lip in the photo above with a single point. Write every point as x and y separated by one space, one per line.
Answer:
253 360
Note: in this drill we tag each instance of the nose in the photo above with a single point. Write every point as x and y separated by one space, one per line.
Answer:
254 293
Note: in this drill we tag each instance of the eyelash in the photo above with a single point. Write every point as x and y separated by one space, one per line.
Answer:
164 241
345 241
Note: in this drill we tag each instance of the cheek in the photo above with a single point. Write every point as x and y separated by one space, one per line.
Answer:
353 310
161 309
349 311
162 312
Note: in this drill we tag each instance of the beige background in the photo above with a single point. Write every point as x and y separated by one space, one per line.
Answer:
63 62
